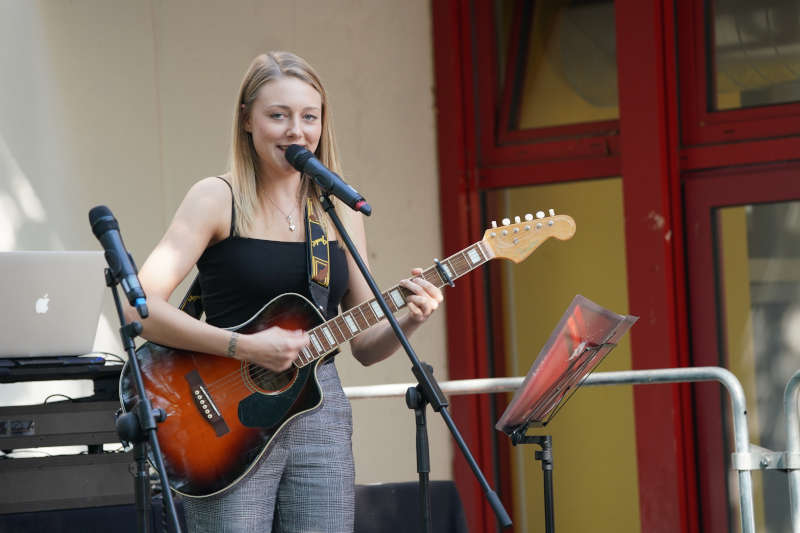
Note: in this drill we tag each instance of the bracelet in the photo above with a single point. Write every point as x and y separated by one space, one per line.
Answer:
232 344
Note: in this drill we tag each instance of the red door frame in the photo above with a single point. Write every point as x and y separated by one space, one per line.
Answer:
477 152
702 126
725 138
648 109
647 73
469 163
705 192
457 149
542 155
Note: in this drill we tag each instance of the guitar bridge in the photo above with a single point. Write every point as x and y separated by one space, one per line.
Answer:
205 405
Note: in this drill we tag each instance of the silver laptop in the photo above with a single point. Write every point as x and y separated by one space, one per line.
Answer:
51 302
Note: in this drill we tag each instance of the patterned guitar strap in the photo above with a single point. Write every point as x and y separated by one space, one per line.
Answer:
319 271
192 303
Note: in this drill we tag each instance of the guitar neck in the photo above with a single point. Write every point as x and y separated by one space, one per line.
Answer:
326 337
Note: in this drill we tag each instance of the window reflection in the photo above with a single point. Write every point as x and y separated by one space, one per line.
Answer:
756 55
566 68
759 269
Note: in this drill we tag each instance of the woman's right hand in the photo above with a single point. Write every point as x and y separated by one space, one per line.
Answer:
274 348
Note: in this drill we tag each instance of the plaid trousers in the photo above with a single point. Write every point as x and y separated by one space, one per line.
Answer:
305 484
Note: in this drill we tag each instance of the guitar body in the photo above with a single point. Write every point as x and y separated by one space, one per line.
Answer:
223 414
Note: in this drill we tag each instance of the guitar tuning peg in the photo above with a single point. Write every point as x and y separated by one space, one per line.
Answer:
516 220
552 212
540 214
528 217
506 222
494 224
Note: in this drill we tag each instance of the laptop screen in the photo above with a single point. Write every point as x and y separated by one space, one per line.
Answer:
52 302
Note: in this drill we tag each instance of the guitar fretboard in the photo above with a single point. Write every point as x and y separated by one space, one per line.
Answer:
326 337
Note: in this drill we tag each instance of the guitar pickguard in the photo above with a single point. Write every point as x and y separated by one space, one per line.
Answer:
267 411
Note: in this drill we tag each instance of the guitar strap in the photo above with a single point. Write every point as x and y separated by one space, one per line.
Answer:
319 271
192 303
318 266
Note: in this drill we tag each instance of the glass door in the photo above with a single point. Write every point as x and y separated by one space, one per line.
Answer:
744 263
594 434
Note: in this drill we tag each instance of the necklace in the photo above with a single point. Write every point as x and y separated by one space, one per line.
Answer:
289 219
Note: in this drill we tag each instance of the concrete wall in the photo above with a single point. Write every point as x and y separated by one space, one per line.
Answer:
127 103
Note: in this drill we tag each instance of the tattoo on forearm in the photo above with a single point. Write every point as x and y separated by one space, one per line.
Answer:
232 344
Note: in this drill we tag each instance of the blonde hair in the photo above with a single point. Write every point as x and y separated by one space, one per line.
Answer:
243 157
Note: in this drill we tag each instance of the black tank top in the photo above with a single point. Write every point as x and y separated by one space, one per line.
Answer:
239 275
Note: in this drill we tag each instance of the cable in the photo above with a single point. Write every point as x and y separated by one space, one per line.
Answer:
106 355
58 394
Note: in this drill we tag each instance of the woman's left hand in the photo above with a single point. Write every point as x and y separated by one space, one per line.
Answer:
424 297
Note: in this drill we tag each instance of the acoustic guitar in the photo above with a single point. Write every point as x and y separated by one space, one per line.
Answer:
223 414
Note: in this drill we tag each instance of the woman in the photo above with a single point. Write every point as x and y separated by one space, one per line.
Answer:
246 234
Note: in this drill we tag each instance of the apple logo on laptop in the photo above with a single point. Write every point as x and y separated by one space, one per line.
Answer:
41 304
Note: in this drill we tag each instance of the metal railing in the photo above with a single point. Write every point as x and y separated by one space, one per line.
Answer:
792 458
745 458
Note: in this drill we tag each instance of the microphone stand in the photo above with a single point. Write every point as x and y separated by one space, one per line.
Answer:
427 392
139 427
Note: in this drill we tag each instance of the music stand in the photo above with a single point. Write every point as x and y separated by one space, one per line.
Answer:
585 334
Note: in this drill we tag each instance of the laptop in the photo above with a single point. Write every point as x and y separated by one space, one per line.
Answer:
51 302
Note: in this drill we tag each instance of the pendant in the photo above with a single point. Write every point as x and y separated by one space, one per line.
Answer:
292 227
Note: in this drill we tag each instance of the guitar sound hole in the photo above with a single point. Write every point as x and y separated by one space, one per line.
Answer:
267 381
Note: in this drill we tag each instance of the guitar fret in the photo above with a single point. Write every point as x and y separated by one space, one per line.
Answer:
351 323
315 342
336 322
474 256
365 311
405 293
323 339
430 277
360 318
453 264
306 356
342 323
397 298
326 331
389 302
452 267
482 251
311 354
482 248
376 310
435 277
462 264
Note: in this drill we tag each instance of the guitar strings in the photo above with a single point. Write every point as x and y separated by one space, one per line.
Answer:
234 378
457 261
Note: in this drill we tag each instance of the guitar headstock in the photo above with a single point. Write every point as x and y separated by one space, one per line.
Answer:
518 240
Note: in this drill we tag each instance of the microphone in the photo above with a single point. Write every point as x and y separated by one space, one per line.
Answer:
120 262
328 181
